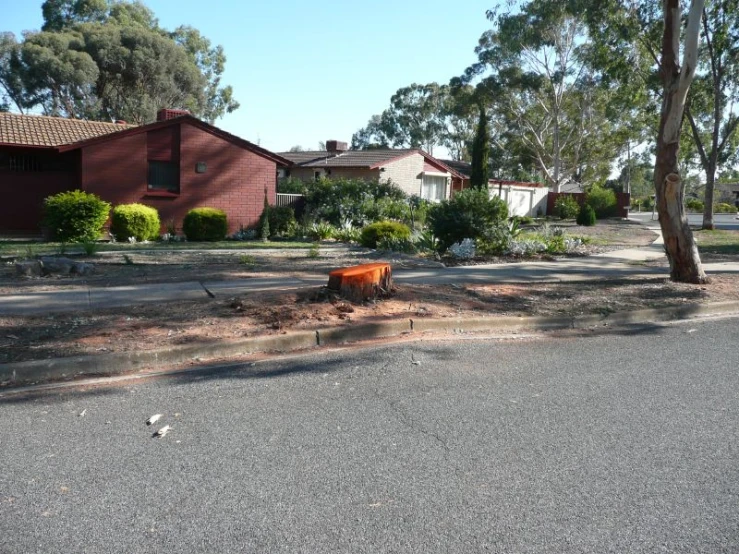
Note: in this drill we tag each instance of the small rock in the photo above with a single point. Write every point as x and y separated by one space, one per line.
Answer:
29 268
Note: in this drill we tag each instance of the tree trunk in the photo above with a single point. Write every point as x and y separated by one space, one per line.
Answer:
682 253
362 282
708 197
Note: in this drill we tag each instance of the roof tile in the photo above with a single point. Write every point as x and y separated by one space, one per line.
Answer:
39 130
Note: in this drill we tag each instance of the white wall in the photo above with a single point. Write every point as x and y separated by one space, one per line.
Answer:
522 201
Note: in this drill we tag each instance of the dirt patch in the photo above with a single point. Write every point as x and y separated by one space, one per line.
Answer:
153 326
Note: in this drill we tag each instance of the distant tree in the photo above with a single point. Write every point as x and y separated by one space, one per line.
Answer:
110 59
296 148
480 152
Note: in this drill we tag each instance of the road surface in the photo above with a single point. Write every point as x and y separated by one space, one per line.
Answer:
625 442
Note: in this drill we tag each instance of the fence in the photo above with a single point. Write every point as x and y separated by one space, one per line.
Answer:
295 201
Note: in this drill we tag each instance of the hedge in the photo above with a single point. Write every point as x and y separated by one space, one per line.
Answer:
75 216
205 224
135 220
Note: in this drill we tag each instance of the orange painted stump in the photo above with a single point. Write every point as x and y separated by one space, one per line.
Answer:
360 282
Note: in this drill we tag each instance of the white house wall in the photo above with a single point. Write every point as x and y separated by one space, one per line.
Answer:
522 201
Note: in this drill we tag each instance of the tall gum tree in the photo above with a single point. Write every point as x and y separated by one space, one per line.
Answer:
682 252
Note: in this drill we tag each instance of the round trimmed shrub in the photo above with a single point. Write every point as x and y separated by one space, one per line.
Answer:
724 208
75 216
135 220
205 224
694 205
586 216
384 231
566 207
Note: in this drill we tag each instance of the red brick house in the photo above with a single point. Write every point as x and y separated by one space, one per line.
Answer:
174 164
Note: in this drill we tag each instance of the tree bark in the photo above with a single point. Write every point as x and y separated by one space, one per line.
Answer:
682 252
708 223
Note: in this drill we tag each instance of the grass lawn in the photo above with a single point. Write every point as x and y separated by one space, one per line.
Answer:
32 248
720 241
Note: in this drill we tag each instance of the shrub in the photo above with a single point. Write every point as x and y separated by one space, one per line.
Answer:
281 220
75 216
694 205
134 220
586 216
566 207
354 200
205 224
602 200
384 231
471 213
724 208
321 231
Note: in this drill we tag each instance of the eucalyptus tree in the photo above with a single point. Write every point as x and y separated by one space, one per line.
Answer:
713 103
109 59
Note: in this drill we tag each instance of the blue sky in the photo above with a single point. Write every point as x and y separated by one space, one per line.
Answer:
306 72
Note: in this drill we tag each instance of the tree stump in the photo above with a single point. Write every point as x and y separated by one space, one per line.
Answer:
360 282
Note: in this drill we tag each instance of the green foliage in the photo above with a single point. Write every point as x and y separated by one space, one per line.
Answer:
694 205
480 153
314 251
205 224
566 207
281 220
602 200
75 216
355 201
348 234
247 259
135 220
470 214
90 247
384 231
724 208
107 60
291 186
264 229
321 231
522 219
586 216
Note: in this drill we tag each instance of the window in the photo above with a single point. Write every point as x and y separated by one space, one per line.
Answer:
24 162
433 188
164 176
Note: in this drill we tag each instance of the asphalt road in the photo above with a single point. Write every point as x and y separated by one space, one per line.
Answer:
722 221
626 442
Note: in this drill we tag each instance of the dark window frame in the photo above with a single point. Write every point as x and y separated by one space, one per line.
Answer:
163 176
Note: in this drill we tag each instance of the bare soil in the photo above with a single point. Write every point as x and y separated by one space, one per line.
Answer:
154 326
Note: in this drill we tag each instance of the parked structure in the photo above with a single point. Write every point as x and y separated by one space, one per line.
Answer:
413 170
174 164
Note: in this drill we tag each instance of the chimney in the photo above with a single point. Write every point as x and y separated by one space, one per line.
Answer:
336 146
120 122
168 113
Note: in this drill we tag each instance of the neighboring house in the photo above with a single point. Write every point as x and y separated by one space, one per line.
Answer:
413 170
174 164
727 192
523 198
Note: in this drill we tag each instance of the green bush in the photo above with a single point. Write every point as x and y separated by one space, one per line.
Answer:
384 232
586 216
75 216
724 208
355 201
471 213
566 207
602 200
694 205
281 220
205 224
134 220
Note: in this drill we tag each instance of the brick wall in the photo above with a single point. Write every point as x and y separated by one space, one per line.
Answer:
235 179
24 191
